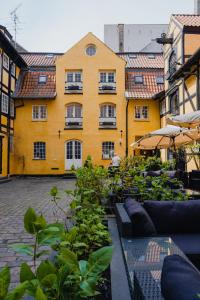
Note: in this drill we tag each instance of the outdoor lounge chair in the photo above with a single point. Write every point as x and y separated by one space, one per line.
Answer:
178 220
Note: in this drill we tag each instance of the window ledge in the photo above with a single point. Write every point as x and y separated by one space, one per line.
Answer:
73 128
39 159
73 92
107 92
107 128
39 120
141 120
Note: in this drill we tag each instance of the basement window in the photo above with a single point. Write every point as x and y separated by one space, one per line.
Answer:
138 79
42 79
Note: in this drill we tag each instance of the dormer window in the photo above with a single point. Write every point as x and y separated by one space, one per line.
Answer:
138 79
160 79
42 79
151 56
132 56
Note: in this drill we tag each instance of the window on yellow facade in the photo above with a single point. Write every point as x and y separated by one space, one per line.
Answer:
107 76
142 112
6 61
75 76
74 111
39 151
4 103
107 111
108 149
39 112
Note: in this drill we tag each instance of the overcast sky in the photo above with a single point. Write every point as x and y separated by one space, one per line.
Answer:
55 25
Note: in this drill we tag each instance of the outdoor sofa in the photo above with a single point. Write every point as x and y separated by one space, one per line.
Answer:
180 280
178 220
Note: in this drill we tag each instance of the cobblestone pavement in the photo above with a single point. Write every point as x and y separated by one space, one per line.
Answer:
15 197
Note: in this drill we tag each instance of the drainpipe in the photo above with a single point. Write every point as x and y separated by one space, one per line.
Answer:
127 104
198 87
8 121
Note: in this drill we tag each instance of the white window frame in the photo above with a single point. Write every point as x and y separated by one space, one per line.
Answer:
75 109
4 103
13 69
106 75
158 79
12 108
6 61
106 152
140 81
37 149
104 108
141 115
42 79
37 115
74 76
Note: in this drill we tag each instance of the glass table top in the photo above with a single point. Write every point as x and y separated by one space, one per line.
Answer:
144 259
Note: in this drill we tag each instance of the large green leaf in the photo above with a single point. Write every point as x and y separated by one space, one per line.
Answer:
49 280
40 223
26 273
29 218
23 248
44 269
4 281
69 258
18 292
40 295
88 287
100 260
83 266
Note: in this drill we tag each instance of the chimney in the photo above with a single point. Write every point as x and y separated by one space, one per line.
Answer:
197 7
121 37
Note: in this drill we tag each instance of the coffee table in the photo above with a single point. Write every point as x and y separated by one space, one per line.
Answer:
144 260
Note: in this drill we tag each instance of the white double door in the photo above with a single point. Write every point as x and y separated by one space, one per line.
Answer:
73 154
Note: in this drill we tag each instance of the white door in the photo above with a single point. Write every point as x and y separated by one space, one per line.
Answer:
73 155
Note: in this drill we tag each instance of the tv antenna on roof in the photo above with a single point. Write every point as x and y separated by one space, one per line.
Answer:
15 19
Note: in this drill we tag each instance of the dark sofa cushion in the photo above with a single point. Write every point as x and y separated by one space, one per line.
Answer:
142 223
179 279
188 243
172 217
152 173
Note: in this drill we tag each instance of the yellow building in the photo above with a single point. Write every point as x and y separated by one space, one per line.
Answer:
10 64
181 46
144 89
71 105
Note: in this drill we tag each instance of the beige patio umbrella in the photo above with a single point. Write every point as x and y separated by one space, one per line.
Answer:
189 120
167 137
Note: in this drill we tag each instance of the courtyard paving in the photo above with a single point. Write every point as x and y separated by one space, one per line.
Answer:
15 197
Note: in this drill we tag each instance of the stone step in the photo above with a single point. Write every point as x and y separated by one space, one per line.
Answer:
4 179
69 176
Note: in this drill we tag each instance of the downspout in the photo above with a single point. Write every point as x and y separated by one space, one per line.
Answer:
8 120
198 87
127 104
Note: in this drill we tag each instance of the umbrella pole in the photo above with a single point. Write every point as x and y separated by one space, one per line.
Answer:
174 152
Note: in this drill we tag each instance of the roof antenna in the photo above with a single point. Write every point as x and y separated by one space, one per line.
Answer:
15 20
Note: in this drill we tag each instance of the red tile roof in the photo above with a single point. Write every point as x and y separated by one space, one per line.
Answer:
188 20
148 89
29 87
142 61
40 59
